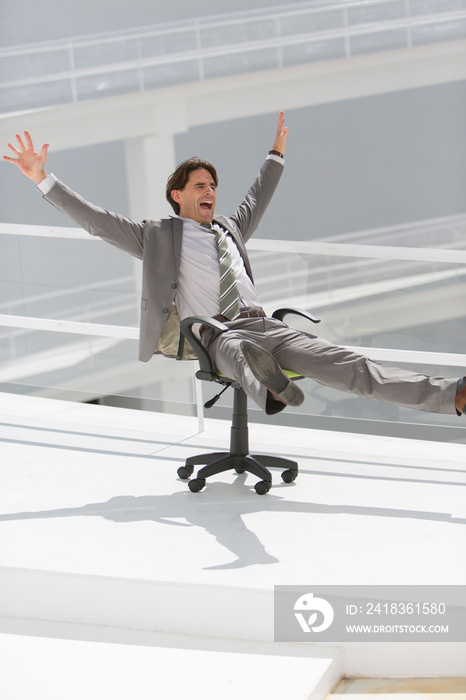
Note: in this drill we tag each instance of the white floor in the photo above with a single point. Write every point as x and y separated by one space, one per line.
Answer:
116 580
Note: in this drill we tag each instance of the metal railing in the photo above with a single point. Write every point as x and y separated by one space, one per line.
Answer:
69 71
453 231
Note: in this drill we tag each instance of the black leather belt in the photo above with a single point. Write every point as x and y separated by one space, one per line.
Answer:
244 313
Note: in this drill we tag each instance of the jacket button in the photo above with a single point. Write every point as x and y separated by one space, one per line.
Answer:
165 311
173 286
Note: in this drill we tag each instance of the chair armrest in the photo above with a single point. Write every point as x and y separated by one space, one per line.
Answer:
208 320
280 314
207 370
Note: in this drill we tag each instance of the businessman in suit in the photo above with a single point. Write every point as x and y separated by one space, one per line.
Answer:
182 276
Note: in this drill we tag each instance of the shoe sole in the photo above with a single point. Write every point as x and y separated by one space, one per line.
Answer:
268 372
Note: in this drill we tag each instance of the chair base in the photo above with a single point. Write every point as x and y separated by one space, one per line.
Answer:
238 458
218 462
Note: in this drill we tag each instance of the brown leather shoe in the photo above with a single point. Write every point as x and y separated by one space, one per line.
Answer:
460 400
267 370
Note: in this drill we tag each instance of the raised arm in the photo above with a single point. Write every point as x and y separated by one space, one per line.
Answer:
256 201
27 159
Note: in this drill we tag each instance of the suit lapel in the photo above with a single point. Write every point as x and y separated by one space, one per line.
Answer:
177 228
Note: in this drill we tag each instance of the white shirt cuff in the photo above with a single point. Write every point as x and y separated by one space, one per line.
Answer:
46 185
271 156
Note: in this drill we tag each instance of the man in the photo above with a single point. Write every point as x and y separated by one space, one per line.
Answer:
195 264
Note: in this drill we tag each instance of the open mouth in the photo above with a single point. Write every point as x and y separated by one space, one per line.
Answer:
206 206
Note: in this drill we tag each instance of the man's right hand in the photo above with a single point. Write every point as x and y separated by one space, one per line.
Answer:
27 159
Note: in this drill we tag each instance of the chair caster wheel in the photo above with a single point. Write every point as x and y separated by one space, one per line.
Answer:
185 472
289 475
195 485
262 487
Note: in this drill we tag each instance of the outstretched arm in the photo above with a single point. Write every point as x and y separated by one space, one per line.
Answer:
27 159
117 230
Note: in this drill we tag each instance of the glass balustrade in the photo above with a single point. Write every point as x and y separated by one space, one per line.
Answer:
398 294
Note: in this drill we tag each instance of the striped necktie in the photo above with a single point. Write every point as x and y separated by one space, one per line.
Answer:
229 301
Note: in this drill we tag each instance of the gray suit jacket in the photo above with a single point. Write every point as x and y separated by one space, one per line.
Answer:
158 244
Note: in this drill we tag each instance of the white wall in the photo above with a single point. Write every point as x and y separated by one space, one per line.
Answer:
350 165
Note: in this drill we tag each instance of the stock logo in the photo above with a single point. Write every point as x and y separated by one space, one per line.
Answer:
310 610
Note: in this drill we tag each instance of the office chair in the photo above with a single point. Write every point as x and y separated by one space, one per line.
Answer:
238 458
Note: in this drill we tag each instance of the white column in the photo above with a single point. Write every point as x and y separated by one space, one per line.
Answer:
149 162
151 158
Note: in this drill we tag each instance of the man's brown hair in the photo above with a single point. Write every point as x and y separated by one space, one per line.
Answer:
178 179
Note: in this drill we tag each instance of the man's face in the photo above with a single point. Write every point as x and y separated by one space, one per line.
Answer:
198 198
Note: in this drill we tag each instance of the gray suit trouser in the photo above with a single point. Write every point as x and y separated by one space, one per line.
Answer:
327 364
